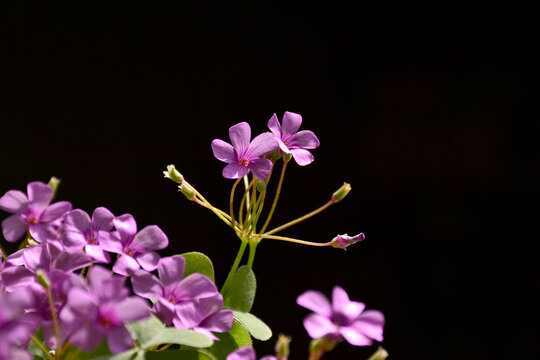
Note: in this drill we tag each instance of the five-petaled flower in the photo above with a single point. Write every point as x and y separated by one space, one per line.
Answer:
292 141
244 155
343 318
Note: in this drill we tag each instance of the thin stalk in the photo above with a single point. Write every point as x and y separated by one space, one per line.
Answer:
42 347
300 219
258 209
75 354
252 206
231 202
244 202
3 252
165 347
215 210
54 317
234 266
276 197
283 238
252 249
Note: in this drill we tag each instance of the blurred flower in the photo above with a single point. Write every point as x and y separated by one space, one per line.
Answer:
292 141
190 303
136 249
33 213
244 155
247 353
343 318
344 241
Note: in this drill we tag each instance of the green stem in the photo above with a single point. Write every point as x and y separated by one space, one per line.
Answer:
42 347
243 203
252 249
276 197
231 202
75 354
283 238
219 213
54 318
235 265
258 207
300 219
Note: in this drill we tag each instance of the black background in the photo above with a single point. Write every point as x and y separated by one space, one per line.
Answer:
421 107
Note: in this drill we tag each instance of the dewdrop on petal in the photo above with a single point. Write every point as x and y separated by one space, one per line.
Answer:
343 241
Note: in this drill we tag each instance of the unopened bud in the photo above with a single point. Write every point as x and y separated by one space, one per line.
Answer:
343 241
341 192
380 354
173 174
261 185
43 279
187 192
282 347
54 183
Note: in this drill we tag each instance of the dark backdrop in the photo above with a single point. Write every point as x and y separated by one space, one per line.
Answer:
419 107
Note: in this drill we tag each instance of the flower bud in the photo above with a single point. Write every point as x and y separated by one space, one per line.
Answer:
282 347
43 279
187 192
380 354
261 185
173 174
343 241
341 192
54 183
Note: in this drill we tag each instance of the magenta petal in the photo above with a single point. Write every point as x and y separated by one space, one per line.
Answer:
111 242
188 314
125 265
371 323
223 151
261 168
55 211
315 301
87 337
262 145
82 305
146 285
102 219
132 309
17 276
73 238
150 238
234 171
119 339
97 254
71 260
220 321
290 124
126 227
171 269
302 157
195 286
79 220
283 147
304 139
13 201
14 227
164 310
148 260
43 233
243 353
240 135
273 124
318 326
354 336
39 194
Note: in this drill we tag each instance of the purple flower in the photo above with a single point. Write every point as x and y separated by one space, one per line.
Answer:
190 303
344 241
136 249
81 231
244 155
292 141
247 353
100 311
343 318
33 213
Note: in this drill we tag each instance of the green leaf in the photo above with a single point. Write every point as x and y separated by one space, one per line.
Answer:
101 351
172 335
36 350
255 326
145 330
230 341
184 354
197 262
241 293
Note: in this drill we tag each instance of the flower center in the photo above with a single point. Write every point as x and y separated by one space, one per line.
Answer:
105 321
171 299
129 251
92 241
32 219
243 161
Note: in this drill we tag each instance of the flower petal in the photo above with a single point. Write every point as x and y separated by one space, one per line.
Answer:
354 336
315 301
39 194
304 139
132 309
223 151
274 125
341 304
146 285
220 321
290 124
43 233
72 259
79 220
164 310
13 201
102 219
111 242
171 269
188 314
126 227
87 337
119 339
243 353
234 171
97 254
263 144
261 168
148 260
195 286
17 276
371 323
318 326
55 211
302 157
125 265
150 238
13 227
240 135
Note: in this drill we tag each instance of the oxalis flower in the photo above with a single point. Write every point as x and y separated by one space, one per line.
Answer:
247 353
343 318
32 213
292 141
244 155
